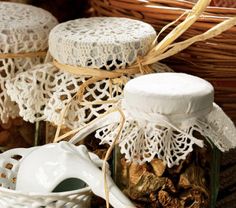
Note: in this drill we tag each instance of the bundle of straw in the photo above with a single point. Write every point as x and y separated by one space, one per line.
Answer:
211 56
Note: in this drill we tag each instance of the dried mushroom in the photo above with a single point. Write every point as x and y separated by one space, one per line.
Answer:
147 184
158 166
136 172
93 145
193 177
156 186
16 133
168 201
194 198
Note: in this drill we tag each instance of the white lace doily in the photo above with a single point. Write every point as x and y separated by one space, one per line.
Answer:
166 115
105 43
141 141
23 28
42 92
101 42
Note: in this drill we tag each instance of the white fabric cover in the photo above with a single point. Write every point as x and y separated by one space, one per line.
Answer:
100 42
23 28
187 102
172 94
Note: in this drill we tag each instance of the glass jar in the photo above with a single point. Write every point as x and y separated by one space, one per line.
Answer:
169 134
16 133
24 33
167 152
83 44
192 183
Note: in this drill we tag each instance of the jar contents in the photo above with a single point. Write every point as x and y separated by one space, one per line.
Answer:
155 185
16 133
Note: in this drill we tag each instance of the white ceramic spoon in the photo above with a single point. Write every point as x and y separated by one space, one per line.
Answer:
44 168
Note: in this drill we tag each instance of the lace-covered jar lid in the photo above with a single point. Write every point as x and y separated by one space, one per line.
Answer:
23 29
104 43
163 112
100 42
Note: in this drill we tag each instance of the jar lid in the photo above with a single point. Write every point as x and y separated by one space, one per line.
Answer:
176 95
101 42
24 28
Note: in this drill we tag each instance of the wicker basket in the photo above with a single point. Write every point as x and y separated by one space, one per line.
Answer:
214 60
9 198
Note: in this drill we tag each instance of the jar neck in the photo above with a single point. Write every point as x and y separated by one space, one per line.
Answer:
144 115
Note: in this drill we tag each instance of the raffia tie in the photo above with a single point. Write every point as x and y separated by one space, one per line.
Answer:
23 55
116 77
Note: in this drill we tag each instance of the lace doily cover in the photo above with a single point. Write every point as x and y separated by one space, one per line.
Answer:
23 28
42 92
100 42
164 113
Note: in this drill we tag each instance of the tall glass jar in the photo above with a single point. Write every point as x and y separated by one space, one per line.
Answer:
169 144
24 33
102 44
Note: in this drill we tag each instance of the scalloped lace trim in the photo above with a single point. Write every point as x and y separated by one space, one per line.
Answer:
141 141
44 91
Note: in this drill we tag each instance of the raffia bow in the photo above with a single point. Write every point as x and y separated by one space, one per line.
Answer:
116 77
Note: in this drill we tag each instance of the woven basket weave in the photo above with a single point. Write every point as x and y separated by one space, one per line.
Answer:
9 198
214 59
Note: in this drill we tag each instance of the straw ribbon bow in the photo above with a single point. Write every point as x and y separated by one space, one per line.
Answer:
117 76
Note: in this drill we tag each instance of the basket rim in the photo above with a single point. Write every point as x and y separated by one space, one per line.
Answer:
85 190
165 5
22 151
189 5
